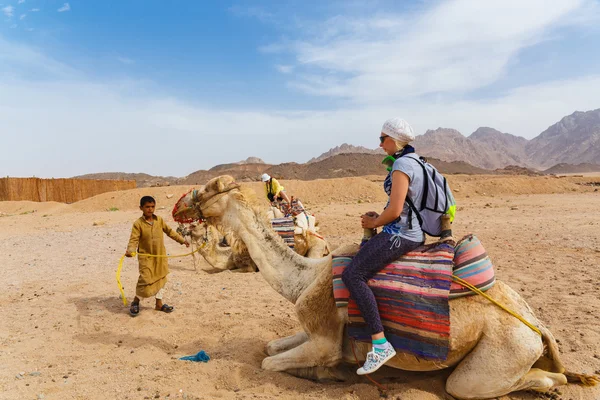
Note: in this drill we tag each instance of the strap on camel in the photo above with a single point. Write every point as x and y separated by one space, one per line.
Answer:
214 199
511 312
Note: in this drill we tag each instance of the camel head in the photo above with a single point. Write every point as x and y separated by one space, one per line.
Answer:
185 210
212 200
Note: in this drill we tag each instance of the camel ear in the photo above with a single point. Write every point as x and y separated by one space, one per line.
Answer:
225 183
220 185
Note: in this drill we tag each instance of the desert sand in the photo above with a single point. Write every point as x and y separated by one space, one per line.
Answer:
65 333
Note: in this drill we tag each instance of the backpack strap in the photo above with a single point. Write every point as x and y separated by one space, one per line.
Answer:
425 182
412 209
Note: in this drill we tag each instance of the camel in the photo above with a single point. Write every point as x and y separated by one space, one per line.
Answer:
307 242
221 250
209 236
492 352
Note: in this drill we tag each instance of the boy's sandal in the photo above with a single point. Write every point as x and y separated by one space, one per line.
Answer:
165 308
134 310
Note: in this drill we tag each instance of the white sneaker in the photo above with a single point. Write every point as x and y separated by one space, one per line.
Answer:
375 360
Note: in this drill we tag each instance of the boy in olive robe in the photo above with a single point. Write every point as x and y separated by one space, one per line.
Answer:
147 238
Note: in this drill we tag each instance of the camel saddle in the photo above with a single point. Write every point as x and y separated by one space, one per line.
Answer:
413 294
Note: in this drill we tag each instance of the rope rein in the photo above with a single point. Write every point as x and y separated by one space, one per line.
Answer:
120 267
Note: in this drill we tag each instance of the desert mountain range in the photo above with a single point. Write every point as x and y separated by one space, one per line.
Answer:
571 145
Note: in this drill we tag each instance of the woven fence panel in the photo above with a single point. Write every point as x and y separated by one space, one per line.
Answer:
61 190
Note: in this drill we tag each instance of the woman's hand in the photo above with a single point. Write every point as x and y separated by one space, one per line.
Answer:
367 221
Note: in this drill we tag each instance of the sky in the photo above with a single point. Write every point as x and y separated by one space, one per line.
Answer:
168 88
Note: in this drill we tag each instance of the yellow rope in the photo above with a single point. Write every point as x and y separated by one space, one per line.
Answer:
118 274
514 314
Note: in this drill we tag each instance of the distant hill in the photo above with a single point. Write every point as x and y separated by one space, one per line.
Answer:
249 160
574 139
572 169
142 180
517 170
241 172
345 165
345 148
572 145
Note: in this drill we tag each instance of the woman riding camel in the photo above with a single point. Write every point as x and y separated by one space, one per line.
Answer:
401 233
275 192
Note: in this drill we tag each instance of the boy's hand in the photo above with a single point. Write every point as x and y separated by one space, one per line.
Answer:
128 254
187 244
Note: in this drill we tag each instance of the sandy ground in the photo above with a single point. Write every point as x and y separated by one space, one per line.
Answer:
65 333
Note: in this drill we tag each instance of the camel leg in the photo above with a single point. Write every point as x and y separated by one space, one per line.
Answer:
284 344
325 334
320 374
540 380
312 353
501 363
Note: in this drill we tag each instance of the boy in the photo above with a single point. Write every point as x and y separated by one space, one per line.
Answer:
147 238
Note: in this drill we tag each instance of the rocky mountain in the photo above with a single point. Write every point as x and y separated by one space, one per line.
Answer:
506 149
572 145
251 160
449 145
345 148
574 139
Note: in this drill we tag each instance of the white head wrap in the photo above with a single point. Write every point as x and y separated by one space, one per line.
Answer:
398 129
265 177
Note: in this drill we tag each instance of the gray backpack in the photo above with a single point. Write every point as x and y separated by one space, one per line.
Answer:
437 199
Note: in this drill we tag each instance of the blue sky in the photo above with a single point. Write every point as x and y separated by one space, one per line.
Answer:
168 88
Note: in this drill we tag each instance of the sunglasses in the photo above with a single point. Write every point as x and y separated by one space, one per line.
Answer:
382 138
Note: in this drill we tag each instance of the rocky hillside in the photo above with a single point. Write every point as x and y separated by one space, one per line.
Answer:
142 180
572 169
574 139
345 148
506 149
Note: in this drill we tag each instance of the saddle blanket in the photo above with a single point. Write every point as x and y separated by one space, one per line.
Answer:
285 229
413 295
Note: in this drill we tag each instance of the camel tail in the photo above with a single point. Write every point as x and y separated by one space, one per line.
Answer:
584 379
554 355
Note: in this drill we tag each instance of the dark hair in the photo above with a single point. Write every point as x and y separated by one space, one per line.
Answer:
146 199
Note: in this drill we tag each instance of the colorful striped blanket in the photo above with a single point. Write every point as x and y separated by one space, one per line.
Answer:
285 229
413 295
472 264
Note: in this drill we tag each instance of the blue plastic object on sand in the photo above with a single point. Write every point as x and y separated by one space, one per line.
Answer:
200 357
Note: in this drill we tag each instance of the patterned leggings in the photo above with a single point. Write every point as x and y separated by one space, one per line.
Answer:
375 254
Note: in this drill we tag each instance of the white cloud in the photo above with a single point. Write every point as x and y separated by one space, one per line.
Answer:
65 7
35 10
22 17
285 69
83 126
20 1
8 11
126 60
452 47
